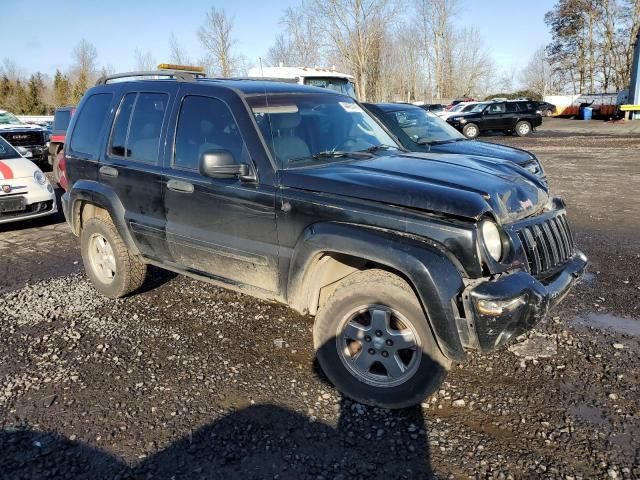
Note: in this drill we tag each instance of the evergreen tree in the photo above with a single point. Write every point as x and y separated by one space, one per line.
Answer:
6 91
81 86
34 105
61 89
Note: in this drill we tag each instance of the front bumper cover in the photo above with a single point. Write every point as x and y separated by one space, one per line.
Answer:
528 299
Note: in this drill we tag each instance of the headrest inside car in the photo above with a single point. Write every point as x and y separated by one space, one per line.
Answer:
286 120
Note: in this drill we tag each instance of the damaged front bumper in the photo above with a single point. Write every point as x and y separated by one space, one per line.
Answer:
498 310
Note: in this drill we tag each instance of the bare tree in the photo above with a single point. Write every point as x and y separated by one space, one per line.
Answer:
177 54
536 75
298 44
11 70
216 37
354 31
470 68
144 61
85 58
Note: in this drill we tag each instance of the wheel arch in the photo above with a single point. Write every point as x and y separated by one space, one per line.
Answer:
89 199
329 252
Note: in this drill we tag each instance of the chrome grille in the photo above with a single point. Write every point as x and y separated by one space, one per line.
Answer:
547 244
24 139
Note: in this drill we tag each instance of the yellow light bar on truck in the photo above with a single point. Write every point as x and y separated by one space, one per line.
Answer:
184 68
629 108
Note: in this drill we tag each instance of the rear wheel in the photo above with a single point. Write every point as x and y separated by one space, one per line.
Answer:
113 271
375 344
471 130
523 128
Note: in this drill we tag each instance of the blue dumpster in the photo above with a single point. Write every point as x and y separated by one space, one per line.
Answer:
587 113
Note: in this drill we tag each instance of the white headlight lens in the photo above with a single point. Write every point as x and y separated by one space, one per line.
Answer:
492 239
39 177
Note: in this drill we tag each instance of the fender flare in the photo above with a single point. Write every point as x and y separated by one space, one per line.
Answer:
102 196
434 277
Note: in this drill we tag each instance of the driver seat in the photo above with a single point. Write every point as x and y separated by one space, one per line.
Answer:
286 144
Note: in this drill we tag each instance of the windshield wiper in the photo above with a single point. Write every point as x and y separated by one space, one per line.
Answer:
377 148
438 142
333 154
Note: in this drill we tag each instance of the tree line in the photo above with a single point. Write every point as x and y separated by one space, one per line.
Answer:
397 50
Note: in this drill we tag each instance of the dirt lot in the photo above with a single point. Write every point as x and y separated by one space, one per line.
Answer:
185 380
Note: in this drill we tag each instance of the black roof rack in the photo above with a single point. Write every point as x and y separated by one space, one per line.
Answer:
179 75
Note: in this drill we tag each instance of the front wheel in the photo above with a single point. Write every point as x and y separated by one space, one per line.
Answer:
523 128
374 342
471 130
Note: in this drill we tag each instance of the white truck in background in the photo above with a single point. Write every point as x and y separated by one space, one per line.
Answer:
312 76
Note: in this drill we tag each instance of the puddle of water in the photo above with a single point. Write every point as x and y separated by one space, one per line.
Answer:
606 321
536 347
593 415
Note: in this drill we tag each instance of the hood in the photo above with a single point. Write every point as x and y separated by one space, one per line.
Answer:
17 168
451 184
484 149
21 127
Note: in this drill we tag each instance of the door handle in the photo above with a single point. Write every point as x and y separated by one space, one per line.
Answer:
108 171
180 186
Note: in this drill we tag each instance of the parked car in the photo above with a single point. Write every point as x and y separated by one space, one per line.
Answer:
521 117
32 137
25 191
61 119
455 110
547 109
461 100
432 107
421 131
297 194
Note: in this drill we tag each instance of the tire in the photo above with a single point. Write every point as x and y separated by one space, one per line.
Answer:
523 128
547 113
471 130
370 295
56 167
128 271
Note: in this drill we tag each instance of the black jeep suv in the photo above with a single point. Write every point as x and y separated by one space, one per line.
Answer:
521 117
297 194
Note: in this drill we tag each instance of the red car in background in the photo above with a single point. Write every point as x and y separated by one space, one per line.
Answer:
61 120
460 100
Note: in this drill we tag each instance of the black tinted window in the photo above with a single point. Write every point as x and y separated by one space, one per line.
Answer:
89 124
143 139
205 124
121 127
61 119
512 107
527 106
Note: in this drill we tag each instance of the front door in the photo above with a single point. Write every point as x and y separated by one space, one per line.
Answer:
222 227
494 116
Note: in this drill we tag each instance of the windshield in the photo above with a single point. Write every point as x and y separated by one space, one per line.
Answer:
424 127
458 107
7 151
7 118
341 85
478 107
307 130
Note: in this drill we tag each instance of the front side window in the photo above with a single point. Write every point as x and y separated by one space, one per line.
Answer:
205 124
306 130
424 127
136 132
496 108
92 117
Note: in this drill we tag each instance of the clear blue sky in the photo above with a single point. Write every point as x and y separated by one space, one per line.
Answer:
511 29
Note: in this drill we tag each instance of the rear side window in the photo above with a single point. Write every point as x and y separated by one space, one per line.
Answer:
91 119
136 132
496 108
512 107
61 119
205 124
527 106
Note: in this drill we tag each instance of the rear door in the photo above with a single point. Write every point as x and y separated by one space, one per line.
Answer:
132 165
222 227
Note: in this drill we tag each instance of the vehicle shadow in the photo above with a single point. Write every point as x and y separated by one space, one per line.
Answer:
258 442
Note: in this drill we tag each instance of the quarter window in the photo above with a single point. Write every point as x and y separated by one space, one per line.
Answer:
205 124
85 137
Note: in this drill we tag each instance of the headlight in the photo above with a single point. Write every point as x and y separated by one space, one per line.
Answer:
39 177
492 239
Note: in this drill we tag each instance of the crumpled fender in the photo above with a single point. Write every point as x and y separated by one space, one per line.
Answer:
432 274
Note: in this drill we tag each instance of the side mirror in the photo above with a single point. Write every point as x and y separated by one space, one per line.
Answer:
222 164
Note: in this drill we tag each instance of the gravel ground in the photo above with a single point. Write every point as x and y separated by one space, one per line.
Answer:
186 380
